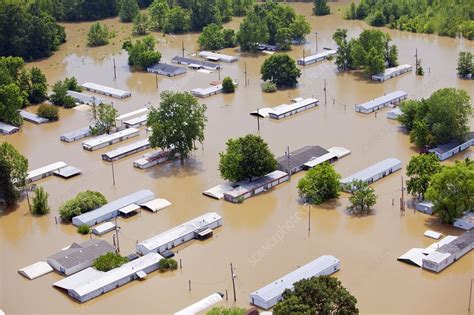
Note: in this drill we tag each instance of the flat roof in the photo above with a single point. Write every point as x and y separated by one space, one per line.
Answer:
180 230
209 90
299 157
67 172
106 89
201 305
137 120
85 98
389 71
81 133
389 97
218 191
127 148
33 117
432 234
262 112
311 269
129 209
324 54
35 270
210 54
133 113
373 170
334 152
246 186
459 243
113 206
285 108
103 228
156 204
8 128
197 62
413 257
46 169
109 137
166 68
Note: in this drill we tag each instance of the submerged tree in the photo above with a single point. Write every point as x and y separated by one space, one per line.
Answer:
128 10
177 124
281 70
319 184
321 7
421 169
104 119
140 24
142 53
98 35
40 204
363 197
109 261
465 65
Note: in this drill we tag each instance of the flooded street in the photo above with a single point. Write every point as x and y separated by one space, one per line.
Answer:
266 236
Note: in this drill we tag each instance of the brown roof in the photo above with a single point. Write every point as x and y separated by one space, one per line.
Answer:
300 157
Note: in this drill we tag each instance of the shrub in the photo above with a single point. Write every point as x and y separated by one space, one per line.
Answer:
269 87
84 229
167 264
40 202
48 111
109 261
83 202
228 85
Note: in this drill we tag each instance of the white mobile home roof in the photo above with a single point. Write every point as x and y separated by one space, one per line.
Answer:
218 191
268 296
218 57
389 72
213 89
35 270
313 58
106 90
7 129
67 172
76 135
103 228
156 204
133 147
137 121
100 140
45 170
200 305
247 186
414 257
367 106
286 108
90 283
111 209
433 234
334 152
33 117
179 231
373 170
84 98
132 114
262 112
394 113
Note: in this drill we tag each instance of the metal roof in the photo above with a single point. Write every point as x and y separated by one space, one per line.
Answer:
373 170
221 57
33 117
142 144
334 152
87 251
389 71
207 91
180 230
35 270
387 98
156 204
6 128
285 108
166 69
246 186
311 269
432 234
84 98
443 148
67 171
140 120
129 209
103 228
218 191
91 216
201 305
413 257
299 157
106 89
73 135
324 54
133 113
46 169
109 137
189 61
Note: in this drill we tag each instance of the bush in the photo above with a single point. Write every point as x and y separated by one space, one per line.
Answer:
109 261
84 202
48 111
228 85
269 87
167 264
98 35
84 229
40 202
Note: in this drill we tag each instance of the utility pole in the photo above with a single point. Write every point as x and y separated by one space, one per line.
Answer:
113 173
219 70
470 294
325 98
233 280
117 235
245 72
115 71
402 199
258 120
182 47
156 80
288 156
28 198
316 35
309 217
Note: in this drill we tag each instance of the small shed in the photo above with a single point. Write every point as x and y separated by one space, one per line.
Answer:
103 228
35 270
166 70
295 161
156 205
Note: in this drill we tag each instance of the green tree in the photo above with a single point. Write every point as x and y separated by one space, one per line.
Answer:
40 204
142 53
83 202
158 11
321 7
178 21
319 184
228 85
211 37
363 197
281 70
229 38
344 60
225 9
15 167
269 87
71 84
242 7
178 123
48 111
104 119
8 192
167 264
376 18
421 169
204 12
252 32
465 64
38 86
375 62
128 10
392 56
140 24
246 158
419 68
84 229
109 261
98 35
60 97
283 38
299 28
218 310
317 295
452 191
11 101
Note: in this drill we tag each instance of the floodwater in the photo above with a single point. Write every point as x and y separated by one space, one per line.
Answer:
266 236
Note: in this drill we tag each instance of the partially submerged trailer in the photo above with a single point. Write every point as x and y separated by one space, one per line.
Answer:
106 140
372 173
126 150
106 90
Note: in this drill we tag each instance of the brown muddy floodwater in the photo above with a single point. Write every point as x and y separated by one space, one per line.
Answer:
367 246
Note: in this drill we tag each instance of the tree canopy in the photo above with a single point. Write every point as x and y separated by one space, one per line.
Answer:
281 70
452 191
142 53
177 123
48 111
60 96
420 170
228 85
128 9
109 261
371 51
140 24
317 295
319 184
83 202
446 18
214 37
27 31
465 64
40 204
246 158
321 7
98 35
13 173
218 310
104 118
363 197
441 118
